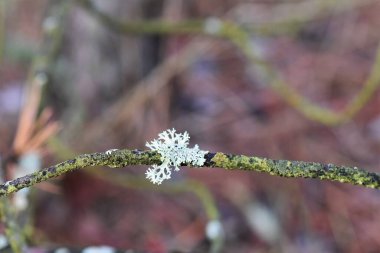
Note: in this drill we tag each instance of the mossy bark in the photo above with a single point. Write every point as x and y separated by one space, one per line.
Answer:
282 168
296 169
119 158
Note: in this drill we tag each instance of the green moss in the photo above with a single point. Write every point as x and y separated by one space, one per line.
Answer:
221 160
283 168
296 169
116 159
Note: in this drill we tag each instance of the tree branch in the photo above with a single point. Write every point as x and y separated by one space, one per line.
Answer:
125 157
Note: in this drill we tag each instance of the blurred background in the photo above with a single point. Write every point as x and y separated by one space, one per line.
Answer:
293 80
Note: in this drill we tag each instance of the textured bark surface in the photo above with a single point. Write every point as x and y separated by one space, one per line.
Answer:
125 157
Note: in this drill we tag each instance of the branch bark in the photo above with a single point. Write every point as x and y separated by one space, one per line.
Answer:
125 157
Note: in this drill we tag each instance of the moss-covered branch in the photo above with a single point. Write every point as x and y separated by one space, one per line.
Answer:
295 169
122 158
115 159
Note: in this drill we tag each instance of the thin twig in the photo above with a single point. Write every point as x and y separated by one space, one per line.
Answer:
125 157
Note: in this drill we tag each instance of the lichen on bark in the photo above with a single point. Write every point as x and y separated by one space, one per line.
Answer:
125 157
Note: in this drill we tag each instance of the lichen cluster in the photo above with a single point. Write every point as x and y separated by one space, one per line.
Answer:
174 151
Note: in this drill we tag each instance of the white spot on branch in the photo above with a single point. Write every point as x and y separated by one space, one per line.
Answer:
108 152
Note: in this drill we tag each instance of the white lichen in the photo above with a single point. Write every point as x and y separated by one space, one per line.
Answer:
109 152
174 150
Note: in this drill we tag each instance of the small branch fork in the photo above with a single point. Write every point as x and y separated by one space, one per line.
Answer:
125 157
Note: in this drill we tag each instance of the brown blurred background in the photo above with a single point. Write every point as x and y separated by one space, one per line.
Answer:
90 88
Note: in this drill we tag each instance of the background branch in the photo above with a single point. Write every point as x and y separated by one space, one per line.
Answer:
241 38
